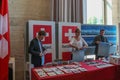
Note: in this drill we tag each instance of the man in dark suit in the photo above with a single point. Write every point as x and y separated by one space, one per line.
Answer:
36 49
98 39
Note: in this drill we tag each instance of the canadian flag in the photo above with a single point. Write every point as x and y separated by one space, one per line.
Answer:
4 40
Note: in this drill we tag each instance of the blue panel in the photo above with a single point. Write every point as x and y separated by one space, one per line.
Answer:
90 31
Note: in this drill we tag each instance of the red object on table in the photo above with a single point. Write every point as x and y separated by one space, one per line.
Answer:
93 73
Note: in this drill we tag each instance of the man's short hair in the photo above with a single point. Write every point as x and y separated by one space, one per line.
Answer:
43 33
102 30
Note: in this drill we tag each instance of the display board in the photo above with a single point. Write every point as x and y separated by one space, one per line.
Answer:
49 40
90 31
65 32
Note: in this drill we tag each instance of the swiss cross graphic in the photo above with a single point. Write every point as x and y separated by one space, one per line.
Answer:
67 33
47 29
3 36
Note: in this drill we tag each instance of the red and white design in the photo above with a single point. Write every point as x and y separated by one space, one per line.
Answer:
49 40
66 32
4 40
47 29
3 36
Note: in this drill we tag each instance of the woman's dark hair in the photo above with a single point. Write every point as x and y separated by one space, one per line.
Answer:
43 33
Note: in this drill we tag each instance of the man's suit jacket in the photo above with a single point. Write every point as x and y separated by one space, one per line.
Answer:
35 51
100 38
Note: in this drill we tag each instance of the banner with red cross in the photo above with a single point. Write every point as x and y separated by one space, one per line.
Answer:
47 29
65 32
49 40
4 40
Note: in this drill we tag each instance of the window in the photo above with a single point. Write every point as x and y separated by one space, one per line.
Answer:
95 12
98 11
109 11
